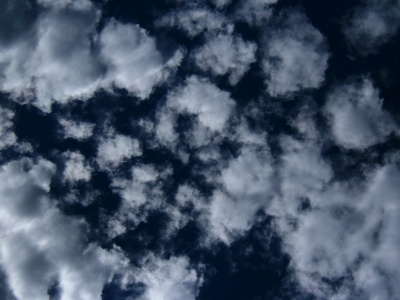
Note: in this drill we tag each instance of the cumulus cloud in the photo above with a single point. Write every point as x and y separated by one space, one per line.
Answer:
372 24
357 118
141 193
295 55
169 279
254 12
76 129
76 167
41 62
7 135
132 58
226 54
41 248
193 21
199 98
232 208
115 149
349 238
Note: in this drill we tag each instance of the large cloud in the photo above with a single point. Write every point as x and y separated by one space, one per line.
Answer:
226 54
295 55
41 248
41 61
349 239
357 118
372 24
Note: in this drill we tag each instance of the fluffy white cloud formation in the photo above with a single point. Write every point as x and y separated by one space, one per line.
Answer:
226 54
295 55
350 237
193 21
41 62
116 148
372 24
172 279
233 207
76 167
7 135
41 247
254 12
76 129
356 115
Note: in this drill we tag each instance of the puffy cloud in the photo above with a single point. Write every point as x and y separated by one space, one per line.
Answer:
254 12
132 58
295 55
200 97
115 148
7 136
226 54
350 238
41 248
141 194
169 279
193 21
40 61
76 167
233 208
76 129
357 118
372 24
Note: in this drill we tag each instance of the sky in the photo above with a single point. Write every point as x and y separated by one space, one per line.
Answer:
199 150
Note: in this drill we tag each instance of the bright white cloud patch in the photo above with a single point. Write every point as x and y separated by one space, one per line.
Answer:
40 246
200 97
76 167
351 235
372 24
7 136
193 21
76 129
226 54
41 62
295 55
115 149
254 12
171 279
356 115
233 208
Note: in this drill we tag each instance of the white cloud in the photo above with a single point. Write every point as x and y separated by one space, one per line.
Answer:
7 135
115 149
226 54
43 63
295 55
132 57
198 96
372 24
40 246
254 12
233 208
193 21
76 129
141 194
171 279
351 234
76 167
356 115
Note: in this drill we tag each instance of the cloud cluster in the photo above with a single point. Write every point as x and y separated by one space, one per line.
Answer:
41 248
357 118
226 54
295 55
43 63
372 24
